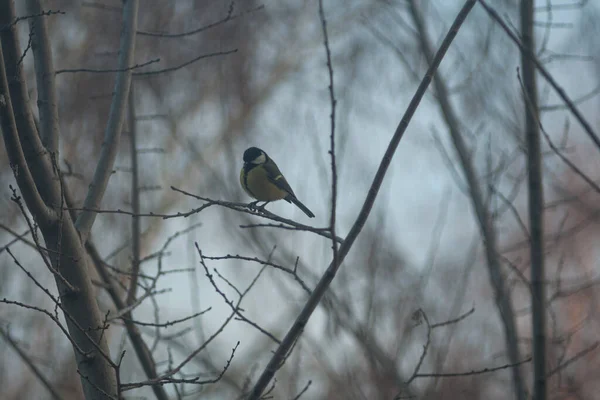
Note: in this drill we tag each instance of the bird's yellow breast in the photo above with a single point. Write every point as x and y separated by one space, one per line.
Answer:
257 184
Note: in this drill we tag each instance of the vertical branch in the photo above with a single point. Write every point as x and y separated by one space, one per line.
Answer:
135 200
115 121
22 174
332 134
536 201
142 352
290 338
484 219
39 180
35 155
44 73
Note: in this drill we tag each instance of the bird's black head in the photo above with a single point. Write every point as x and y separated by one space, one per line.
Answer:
254 155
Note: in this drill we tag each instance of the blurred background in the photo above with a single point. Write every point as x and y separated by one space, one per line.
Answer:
421 248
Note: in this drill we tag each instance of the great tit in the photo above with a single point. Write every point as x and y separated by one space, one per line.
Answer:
260 177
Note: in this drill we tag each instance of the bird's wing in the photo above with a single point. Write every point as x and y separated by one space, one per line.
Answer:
277 177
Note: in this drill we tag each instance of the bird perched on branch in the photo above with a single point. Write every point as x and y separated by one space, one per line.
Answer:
261 179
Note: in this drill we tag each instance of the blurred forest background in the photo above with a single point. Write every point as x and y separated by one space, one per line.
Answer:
419 261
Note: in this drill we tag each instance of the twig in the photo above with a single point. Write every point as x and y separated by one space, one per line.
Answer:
95 387
106 70
568 162
135 199
473 372
53 318
18 237
243 207
332 100
292 272
184 64
23 18
324 232
573 359
453 321
32 228
420 313
306 387
125 312
513 210
227 18
590 95
234 307
196 380
191 355
171 323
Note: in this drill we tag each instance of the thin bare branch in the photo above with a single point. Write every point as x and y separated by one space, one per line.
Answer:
417 315
170 323
30 16
50 315
135 200
590 95
454 320
304 390
18 237
227 18
195 380
44 73
292 272
332 100
473 372
573 359
106 70
536 200
184 64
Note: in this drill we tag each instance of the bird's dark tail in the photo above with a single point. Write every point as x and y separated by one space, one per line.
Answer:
301 206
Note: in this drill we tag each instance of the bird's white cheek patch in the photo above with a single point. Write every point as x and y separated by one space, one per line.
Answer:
260 159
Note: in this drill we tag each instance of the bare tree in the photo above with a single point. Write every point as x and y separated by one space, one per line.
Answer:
154 271
33 158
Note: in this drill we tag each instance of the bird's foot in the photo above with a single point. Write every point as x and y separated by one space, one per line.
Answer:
254 206
262 208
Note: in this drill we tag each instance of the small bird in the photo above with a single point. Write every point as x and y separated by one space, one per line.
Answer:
261 179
